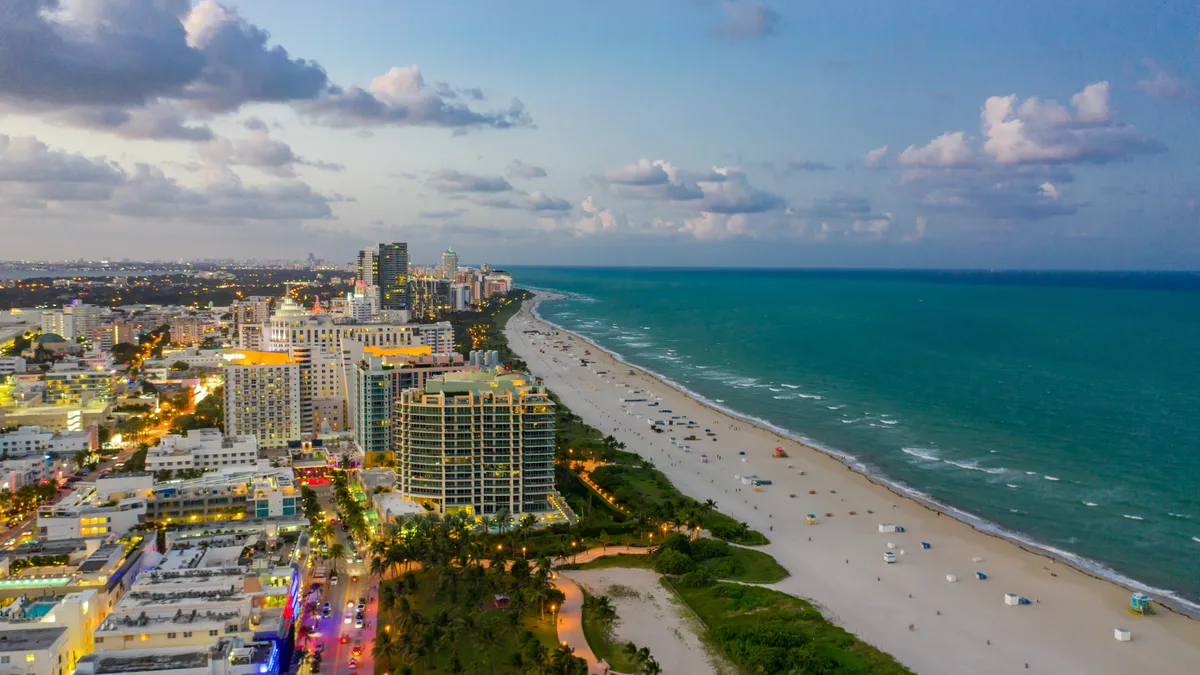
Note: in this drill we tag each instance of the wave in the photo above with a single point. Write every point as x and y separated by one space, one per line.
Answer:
889 421
856 419
1011 485
791 386
835 407
983 525
1126 515
774 389
1054 478
1090 504
923 453
1180 515
813 397
782 398
972 466
1196 539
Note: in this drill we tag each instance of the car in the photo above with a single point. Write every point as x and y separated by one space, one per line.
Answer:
343 639
349 604
333 580
358 623
357 650
362 601
354 577
353 662
346 619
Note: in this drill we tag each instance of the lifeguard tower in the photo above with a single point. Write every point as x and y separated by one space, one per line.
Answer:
1139 603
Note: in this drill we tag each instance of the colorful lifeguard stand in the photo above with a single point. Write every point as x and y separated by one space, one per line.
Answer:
1139 603
811 519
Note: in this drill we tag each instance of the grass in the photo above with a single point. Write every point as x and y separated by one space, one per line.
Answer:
765 631
600 639
626 560
746 565
646 490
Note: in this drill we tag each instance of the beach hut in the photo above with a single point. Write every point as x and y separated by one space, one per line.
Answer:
1012 599
981 576
885 527
951 578
810 519
1122 634
889 558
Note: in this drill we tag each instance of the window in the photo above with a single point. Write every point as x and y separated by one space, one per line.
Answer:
129 638
3 659
214 633
170 636
187 634
30 657
145 637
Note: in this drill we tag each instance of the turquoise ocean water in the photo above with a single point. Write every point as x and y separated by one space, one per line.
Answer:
1062 409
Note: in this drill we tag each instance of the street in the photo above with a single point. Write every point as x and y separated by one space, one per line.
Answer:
336 657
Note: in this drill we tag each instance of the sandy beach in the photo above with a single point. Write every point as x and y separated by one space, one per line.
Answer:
648 615
909 608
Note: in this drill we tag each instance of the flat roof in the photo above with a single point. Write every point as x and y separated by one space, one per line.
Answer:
30 639
149 660
244 357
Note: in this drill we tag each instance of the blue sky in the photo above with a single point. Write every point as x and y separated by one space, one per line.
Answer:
672 132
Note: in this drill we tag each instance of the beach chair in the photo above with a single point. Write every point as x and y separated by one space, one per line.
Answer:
980 575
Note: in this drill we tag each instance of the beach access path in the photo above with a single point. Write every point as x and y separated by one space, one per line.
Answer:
907 609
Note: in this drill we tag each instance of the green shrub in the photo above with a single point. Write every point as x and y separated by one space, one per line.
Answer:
670 561
705 549
697 579
676 541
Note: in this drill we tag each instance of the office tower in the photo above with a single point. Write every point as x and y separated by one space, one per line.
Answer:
393 276
476 443
262 397
460 297
449 264
60 323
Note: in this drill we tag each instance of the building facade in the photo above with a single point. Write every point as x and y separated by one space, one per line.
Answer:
262 397
74 386
202 449
392 264
476 443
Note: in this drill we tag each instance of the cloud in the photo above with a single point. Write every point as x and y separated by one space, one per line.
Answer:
542 202
1045 132
260 151
32 175
733 194
442 215
536 202
747 20
1165 86
874 159
145 68
641 173
718 190
808 165
949 149
920 226
254 124
519 169
451 181
994 191
399 97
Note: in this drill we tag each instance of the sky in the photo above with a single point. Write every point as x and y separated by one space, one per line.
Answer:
858 133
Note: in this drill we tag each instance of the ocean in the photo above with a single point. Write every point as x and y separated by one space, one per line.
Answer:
1060 409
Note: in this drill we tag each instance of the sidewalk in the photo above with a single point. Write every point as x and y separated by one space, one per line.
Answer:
570 624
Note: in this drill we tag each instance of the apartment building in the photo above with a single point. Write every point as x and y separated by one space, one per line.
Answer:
109 507
71 385
36 440
35 651
79 613
262 397
202 449
476 443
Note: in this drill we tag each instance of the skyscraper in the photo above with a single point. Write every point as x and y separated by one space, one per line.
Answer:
368 270
392 265
449 264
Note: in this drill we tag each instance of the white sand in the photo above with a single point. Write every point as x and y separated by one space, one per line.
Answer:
648 616
1070 629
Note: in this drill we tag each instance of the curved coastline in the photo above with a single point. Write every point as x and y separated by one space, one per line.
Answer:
1092 568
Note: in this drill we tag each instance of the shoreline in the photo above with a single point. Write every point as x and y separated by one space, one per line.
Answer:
1071 599
1164 597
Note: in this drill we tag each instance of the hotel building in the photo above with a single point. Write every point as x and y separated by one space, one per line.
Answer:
262 397
476 443
202 449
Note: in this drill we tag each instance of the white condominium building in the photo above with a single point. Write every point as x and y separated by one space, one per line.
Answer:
262 397
40 440
202 449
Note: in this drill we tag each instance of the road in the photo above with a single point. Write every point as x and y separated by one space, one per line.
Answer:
336 658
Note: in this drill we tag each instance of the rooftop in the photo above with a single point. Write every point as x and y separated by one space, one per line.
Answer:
127 662
469 382
254 358
29 639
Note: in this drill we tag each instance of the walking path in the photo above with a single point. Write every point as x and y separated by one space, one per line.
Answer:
570 625
594 553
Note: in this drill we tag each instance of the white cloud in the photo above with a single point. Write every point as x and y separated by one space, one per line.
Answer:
949 149
1165 86
1048 190
875 158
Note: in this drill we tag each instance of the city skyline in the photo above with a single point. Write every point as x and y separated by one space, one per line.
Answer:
677 133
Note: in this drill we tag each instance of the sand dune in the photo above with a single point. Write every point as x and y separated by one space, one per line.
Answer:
908 608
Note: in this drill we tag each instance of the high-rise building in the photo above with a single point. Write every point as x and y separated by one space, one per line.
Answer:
368 268
449 264
68 384
430 297
460 297
476 443
377 376
393 276
60 323
262 397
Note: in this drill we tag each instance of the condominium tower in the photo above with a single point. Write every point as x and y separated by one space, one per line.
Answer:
476 443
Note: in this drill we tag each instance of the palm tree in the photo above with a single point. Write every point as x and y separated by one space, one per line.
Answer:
490 636
488 523
503 520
